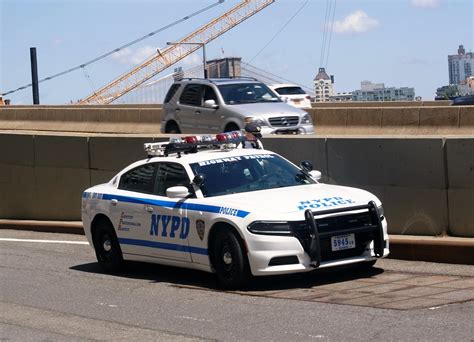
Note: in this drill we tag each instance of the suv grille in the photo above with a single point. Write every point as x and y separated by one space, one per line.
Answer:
284 121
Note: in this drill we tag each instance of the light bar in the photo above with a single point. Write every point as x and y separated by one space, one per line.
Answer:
191 144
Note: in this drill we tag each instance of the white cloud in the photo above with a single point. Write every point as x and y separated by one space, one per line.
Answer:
357 22
425 3
134 56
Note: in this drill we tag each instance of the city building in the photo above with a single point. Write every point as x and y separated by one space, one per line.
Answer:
323 86
378 92
341 97
224 67
460 66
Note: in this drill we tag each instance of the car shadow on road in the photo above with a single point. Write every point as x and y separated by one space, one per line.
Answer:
181 277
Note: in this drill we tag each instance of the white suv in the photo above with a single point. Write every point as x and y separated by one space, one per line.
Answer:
292 94
217 105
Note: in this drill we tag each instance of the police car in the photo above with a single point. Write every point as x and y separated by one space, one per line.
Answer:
201 203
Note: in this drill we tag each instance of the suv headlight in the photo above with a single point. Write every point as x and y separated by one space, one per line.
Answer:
306 119
270 228
259 122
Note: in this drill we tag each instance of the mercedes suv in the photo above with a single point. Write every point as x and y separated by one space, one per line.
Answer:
221 105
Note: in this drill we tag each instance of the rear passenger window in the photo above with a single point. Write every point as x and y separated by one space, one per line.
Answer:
140 179
170 174
191 95
173 89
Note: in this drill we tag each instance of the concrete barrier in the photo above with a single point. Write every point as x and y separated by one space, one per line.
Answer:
379 104
337 120
426 184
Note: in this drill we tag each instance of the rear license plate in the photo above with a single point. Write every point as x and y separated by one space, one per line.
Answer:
341 242
296 101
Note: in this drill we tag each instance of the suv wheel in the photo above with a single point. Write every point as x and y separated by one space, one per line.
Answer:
173 128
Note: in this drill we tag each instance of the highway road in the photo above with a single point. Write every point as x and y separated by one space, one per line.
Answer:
52 289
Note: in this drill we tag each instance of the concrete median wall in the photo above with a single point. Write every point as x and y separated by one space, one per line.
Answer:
146 119
426 184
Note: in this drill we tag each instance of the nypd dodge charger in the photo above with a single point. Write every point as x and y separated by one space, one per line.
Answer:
199 202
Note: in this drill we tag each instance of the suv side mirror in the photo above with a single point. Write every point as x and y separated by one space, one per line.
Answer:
211 104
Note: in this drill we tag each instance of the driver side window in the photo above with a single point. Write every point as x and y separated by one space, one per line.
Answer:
168 175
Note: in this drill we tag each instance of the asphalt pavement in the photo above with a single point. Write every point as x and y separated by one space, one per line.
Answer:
52 289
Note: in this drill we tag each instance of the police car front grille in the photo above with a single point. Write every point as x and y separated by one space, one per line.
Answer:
360 225
284 121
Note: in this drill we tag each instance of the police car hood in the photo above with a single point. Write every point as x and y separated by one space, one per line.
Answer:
267 109
289 203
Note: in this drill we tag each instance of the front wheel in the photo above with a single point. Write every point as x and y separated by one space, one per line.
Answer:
107 248
230 263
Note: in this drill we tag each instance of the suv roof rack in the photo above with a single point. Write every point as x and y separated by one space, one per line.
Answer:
217 79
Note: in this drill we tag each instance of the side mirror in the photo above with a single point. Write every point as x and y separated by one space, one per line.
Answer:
177 192
199 179
306 165
210 104
315 174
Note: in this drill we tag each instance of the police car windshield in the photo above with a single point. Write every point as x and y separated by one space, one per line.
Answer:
241 93
248 173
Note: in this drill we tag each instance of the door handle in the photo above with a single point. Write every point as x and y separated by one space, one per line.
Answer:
197 112
149 209
177 109
114 201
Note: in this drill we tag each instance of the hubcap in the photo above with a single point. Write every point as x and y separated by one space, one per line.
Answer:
107 245
227 257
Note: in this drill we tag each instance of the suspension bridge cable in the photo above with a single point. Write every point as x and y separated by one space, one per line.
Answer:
118 49
325 33
281 29
330 34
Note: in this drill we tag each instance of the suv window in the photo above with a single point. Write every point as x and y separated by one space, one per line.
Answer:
174 88
139 179
209 94
290 91
170 174
240 93
191 95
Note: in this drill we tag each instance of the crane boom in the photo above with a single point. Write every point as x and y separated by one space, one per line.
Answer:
176 52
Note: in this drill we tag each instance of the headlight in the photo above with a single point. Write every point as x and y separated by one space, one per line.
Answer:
259 122
269 228
306 119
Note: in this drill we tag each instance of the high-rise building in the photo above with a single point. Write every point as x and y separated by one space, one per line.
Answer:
378 92
224 67
460 66
323 86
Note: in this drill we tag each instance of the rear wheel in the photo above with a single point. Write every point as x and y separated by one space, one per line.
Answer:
107 248
231 127
230 263
172 128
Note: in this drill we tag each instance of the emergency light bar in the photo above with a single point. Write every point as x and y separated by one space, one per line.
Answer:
191 144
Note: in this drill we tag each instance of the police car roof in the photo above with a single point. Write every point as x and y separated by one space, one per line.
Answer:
205 154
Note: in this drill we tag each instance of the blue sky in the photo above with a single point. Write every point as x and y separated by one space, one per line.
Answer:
396 42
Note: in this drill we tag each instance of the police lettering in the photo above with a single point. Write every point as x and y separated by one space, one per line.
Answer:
170 225
228 211
324 203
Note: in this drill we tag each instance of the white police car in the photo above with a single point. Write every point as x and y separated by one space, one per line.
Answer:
199 203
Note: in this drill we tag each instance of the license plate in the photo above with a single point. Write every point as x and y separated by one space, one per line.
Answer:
341 242
296 101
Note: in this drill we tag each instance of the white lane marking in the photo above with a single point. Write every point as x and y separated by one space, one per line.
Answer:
46 241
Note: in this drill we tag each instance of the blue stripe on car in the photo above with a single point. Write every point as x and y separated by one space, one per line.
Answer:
163 245
171 204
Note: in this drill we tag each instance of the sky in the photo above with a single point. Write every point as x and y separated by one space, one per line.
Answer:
401 43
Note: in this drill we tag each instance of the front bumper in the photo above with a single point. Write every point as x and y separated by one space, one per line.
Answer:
309 245
300 129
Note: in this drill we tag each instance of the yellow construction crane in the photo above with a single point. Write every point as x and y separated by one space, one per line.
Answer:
176 52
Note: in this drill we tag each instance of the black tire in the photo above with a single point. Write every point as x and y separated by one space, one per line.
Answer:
230 263
231 127
172 128
107 248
